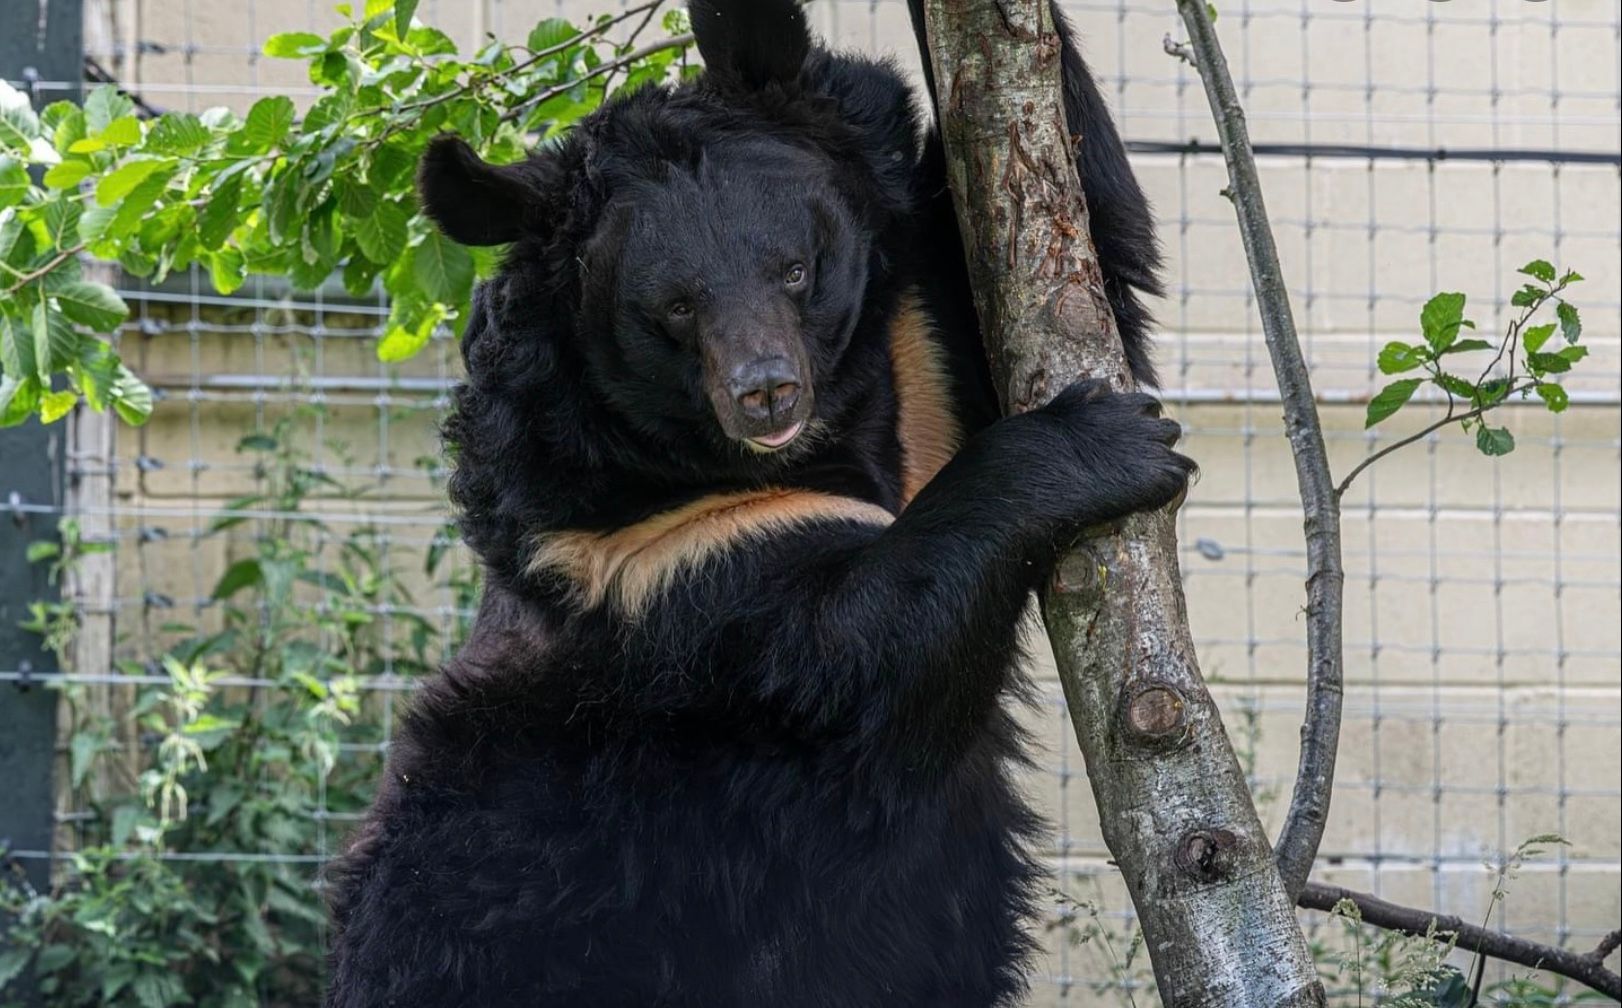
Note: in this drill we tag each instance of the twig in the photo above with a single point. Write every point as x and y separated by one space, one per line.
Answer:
1585 968
1308 814
1607 945
673 42
479 84
630 41
1451 417
1179 50
28 278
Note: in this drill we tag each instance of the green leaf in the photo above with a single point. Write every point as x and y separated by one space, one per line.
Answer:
12 963
1390 399
69 124
14 181
1570 277
1571 325
268 121
67 174
382 236
61 220
177 133
121 181
1397 357
95 371
132 399
355 199
294 45
1456 385
443 268
403 12
1466 345
95 222
1547 363
1534 337
103 105
124 820
1441 318
227 270
53 406
92 304
54 341
1553 396
220 214
133 209
1539 268
16 347
399 344
18 123
551 33
121 132
1527 296
18 398
1492 391
82 751
17 245
240 575
1573 354
405 339
1494 440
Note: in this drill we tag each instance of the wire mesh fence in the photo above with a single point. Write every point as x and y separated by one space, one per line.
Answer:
1406 149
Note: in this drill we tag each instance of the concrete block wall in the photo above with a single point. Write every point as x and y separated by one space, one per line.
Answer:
1482 596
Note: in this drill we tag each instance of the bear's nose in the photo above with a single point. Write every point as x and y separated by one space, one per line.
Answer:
766 389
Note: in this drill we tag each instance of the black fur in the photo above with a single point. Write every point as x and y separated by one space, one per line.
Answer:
786 780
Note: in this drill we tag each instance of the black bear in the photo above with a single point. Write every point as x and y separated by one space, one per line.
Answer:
732 726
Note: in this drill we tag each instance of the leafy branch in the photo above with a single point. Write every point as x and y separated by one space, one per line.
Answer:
275 193
1520 366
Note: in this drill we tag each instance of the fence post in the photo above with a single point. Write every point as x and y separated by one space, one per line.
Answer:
41 48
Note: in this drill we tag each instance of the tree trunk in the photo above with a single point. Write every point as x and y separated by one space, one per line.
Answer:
1176 812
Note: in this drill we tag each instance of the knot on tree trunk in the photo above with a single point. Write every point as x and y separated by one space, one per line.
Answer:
1207 855
1154 716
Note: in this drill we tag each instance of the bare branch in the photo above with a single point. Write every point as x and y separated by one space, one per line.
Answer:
1585 968
1607 945
1303 829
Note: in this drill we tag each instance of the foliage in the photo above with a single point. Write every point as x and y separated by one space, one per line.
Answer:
193 884
1520 366
275 192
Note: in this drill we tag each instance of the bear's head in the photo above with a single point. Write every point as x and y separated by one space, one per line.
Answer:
698 276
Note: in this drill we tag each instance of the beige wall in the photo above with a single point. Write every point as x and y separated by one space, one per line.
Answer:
1482 597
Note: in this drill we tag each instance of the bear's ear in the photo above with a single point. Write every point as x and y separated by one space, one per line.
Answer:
475 202
751 43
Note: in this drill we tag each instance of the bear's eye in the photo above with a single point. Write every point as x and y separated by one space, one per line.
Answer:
795 275
681 311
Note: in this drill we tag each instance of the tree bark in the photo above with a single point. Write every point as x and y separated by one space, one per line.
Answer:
1176 813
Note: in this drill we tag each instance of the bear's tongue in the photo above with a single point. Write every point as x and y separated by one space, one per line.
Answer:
779 438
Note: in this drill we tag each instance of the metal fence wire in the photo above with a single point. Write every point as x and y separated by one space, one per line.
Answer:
1408 148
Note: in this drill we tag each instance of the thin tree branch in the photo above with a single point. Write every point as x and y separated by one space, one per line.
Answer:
1607 945
1303 828
1585 968
1451 417
27 278
612 66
